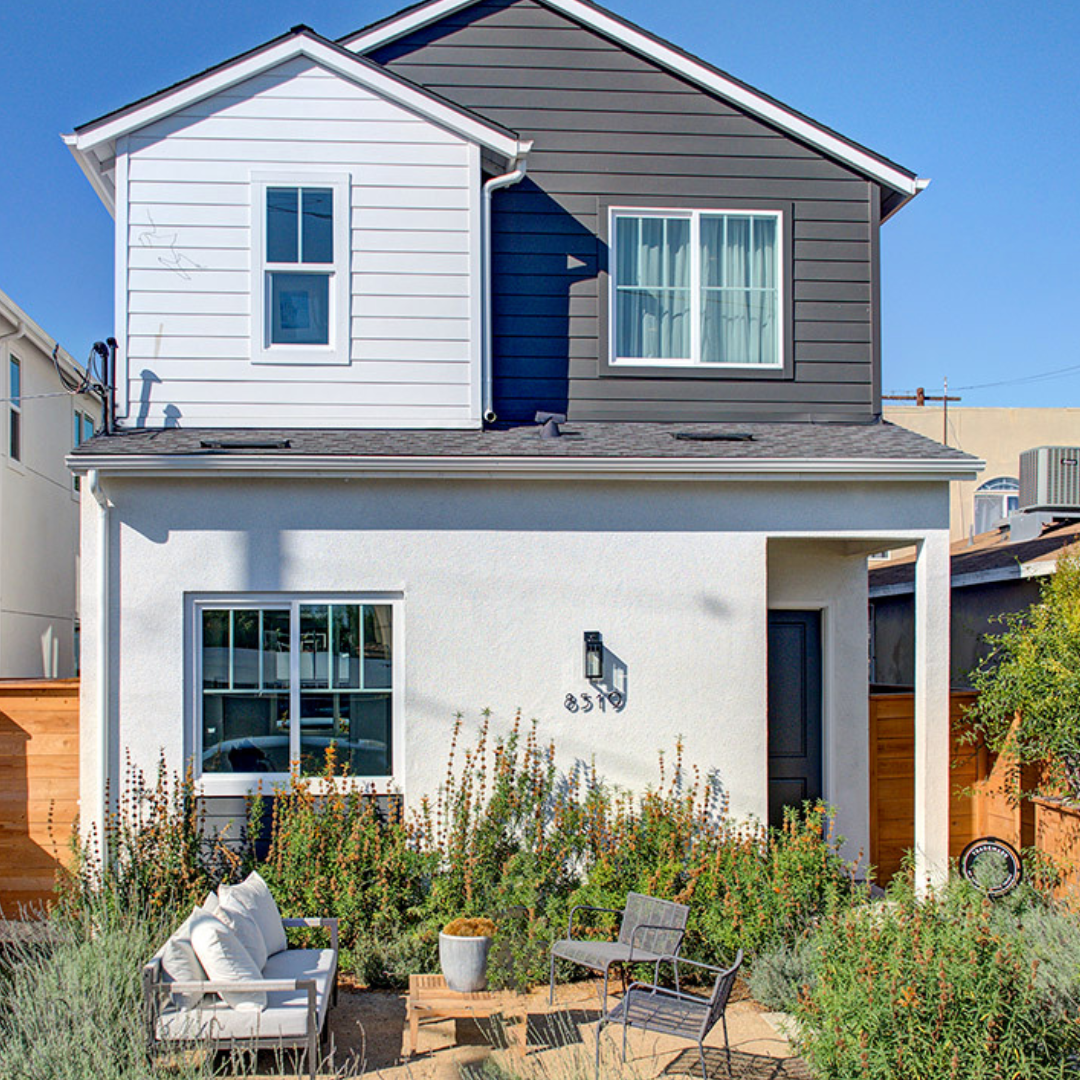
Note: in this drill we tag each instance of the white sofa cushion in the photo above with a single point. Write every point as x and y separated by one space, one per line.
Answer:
241 922
224 959
253 896
285 1015
180 964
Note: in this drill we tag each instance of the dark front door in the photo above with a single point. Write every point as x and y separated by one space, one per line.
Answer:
794 710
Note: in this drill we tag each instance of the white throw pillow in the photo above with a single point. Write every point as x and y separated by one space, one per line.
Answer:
253 896
224 959
210 904
241 922
179 962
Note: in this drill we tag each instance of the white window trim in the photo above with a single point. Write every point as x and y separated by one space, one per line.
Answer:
215 784
694 215
338 349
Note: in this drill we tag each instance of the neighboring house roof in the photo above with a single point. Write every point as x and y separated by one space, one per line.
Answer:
987 558
93 143
902 181
22 326
793 449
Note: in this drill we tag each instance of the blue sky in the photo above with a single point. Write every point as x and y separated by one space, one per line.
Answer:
981 279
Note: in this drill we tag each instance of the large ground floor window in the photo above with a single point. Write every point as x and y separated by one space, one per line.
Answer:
281 682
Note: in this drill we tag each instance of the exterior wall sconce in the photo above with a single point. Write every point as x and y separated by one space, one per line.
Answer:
594 655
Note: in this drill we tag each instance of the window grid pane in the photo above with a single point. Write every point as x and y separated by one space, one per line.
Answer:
317 225
653 294
245 690
347 704
282 225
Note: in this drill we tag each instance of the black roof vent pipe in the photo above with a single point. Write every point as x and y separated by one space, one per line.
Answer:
551 422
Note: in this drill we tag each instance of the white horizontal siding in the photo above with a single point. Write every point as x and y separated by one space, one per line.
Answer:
413 341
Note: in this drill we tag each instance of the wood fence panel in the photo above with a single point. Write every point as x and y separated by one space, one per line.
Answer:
39 786
892 780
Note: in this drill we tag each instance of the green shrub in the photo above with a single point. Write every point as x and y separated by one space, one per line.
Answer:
505 837
948 987
779 976
1029 684
71 999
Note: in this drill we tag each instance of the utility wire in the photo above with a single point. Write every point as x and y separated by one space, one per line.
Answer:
1054 373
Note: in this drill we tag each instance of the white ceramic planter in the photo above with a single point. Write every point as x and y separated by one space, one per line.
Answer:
464 962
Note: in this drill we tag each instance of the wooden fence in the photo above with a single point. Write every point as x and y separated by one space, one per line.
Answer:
39 785
982 799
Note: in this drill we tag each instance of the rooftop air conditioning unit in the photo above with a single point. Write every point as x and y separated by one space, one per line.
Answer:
1050 478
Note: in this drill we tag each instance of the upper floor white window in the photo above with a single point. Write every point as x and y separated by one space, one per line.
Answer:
696 287
14 408
82 430
300 278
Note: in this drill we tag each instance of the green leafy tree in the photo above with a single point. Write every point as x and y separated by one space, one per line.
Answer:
1029 683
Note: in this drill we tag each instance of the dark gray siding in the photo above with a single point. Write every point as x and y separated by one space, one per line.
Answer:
610 125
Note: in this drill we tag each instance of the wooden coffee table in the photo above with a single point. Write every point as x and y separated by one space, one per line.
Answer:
431 999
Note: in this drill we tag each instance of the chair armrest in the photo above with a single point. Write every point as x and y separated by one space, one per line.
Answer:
586 907
680 933
326 922
664 991
210 986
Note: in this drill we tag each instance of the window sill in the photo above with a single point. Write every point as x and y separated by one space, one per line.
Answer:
312 357
245 784
689 369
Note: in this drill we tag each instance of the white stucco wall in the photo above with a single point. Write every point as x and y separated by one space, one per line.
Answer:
500 580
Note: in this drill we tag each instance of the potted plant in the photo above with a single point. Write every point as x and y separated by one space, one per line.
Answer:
463 953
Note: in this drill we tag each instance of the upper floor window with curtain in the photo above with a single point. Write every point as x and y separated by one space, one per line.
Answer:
301 285
696 287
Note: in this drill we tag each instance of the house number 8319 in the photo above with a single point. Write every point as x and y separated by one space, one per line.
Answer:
599 700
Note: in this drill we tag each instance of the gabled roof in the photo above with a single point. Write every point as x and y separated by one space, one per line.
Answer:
900 180
93 143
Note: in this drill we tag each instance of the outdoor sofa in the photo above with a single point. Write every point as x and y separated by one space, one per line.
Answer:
280 1003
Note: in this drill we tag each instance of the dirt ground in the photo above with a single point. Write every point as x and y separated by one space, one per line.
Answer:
368 1034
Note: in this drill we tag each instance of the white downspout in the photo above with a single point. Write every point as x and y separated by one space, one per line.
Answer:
102 657
14 335
487 364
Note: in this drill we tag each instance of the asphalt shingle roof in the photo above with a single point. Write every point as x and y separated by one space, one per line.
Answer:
766 441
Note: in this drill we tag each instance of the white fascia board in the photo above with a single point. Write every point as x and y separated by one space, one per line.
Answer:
88 162
228 75
515 468
1014 572
673 59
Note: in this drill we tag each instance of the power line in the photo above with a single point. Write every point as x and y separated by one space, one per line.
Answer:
1053 374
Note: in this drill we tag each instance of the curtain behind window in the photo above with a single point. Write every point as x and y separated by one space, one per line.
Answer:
652 305
738 290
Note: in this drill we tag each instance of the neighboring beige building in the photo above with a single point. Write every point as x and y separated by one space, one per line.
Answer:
997 435
39 504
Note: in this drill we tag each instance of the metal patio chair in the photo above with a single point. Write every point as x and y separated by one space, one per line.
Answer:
652 1007
649 930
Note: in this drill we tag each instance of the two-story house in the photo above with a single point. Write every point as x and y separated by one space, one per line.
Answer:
41 418
350 274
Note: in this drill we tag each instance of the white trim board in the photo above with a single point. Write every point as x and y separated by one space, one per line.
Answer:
673 58
313 466
91 141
